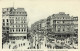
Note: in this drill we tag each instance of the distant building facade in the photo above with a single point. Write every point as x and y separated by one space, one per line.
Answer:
39 31
75 22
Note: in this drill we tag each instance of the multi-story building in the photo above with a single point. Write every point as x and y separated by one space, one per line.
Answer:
60 27
38 29
5 26
75 22
14 23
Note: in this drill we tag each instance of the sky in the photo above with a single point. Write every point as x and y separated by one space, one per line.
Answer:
41 9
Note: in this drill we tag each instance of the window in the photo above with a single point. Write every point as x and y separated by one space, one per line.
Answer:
4 12
19 25
24 21
22 25
63 21
3 28
7 31
63 30
68 28
16 29
57 21
13 25
7 9
58 17
13 30
16 21
19 30
22 30
3 24
7 24
10 17
24 44
58 29
16 17
7 28
24 17
3 20
20 12
16 25
7 20
63 17
10 21
54 21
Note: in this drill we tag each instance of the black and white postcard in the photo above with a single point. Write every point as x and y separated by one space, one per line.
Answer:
39 25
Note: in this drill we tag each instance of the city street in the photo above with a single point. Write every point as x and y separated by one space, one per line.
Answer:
57 31
19 44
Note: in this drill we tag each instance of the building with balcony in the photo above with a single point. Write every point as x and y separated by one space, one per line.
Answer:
61 26
14 23
5 28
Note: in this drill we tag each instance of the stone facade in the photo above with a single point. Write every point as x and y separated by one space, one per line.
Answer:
16 21
60 28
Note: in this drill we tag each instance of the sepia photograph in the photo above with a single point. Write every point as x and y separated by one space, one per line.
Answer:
39 24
